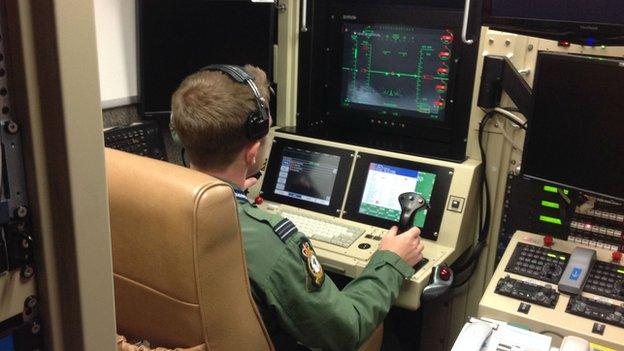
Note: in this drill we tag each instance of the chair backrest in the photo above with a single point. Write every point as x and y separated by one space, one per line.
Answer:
178 259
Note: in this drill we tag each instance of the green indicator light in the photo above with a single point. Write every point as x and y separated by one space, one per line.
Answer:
553 189
552 255
621 271
550 189
562 258
548 219
550 204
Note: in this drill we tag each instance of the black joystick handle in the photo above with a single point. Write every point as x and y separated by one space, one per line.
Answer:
411 203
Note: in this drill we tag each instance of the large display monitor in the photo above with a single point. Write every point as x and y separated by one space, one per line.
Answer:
396 75
308 176
396 70
575 134
588 22
377 183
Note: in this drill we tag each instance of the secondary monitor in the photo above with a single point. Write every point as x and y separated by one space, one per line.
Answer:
575 132
308 176
588 22
377 183
396 69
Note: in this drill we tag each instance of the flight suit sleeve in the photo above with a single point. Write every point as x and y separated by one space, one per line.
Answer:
325 317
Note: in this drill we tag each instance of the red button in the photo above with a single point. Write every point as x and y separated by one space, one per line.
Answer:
445 273
258 200
616 256
548 240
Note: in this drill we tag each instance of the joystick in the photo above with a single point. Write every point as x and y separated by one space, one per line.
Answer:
411 203
440 282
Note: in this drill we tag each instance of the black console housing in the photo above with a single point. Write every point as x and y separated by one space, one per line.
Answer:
319 113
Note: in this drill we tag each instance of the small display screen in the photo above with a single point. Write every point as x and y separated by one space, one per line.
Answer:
307 175
385 183
396 70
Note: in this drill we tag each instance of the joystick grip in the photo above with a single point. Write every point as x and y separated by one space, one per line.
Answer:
410 203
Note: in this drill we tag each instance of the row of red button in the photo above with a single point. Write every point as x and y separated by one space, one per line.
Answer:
616 256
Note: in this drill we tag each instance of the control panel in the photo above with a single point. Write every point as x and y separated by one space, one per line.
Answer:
597 310
522 292
141 138
543 295
606 279
539 207
537 262
346 197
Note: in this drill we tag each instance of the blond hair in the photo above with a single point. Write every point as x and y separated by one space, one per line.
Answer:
209 113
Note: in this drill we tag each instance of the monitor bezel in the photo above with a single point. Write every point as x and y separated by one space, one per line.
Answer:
526 155
439 194
584 33
340 184
426 19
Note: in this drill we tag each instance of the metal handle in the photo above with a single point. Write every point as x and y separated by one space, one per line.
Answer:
465 24
304 15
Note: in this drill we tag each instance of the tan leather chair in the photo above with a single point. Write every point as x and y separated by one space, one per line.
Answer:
178 260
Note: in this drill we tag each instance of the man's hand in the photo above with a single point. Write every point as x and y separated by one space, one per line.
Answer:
406 245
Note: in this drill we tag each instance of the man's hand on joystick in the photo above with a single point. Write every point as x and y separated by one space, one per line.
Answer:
407 245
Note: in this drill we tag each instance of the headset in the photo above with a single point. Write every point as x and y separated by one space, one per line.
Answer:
257 125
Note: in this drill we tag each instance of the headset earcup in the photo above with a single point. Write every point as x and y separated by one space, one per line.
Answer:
257 126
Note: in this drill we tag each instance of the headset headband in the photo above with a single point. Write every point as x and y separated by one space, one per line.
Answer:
257 125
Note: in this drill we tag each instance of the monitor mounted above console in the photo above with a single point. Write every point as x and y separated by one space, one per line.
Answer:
393 70
397 77
595 22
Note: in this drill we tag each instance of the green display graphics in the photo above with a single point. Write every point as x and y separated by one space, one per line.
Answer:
385 183
396 70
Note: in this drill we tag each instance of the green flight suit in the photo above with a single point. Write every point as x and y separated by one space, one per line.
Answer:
297 307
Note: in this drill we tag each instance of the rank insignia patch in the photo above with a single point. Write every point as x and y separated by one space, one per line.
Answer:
315 270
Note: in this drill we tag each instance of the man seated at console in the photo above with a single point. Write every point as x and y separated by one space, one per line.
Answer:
218 117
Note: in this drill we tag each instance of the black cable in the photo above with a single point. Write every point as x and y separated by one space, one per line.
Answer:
473 269
471 259
183 155
484 184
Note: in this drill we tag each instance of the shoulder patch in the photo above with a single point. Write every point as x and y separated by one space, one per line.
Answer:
313 266
282 227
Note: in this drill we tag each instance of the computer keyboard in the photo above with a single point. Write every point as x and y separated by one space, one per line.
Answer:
325 231
141 138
